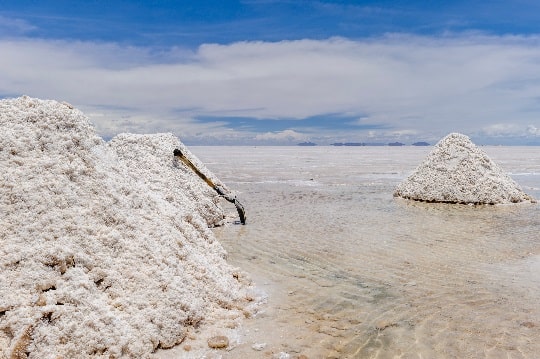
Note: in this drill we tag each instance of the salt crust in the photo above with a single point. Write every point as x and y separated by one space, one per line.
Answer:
105 249
457 171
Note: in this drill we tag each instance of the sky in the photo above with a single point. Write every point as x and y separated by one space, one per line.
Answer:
271 72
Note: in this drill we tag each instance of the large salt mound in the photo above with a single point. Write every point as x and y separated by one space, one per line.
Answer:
105 249
150 157
456 171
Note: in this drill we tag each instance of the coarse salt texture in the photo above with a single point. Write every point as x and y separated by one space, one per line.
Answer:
105 249
457 171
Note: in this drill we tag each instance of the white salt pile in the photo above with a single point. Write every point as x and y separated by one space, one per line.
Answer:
105 249
456 171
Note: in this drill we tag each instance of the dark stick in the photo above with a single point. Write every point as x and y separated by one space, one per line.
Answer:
238 205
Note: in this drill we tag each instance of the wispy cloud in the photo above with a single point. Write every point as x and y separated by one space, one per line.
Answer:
14 26
401 86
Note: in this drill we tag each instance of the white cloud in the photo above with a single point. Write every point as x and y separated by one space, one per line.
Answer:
533 130
503 129
286 136
410 85
510 133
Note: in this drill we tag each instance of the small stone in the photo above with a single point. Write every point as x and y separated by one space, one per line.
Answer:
282 355
42 301
258 346
218 342
247 314
187 347
383 324
528 324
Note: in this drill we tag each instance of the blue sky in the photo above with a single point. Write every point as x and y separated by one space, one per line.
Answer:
283 72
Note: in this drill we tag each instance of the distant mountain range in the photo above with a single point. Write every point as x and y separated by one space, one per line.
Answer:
366 144
307 144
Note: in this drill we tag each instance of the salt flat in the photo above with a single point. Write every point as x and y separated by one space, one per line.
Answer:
351 272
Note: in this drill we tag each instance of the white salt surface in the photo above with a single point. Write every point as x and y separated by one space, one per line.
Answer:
105 249
457 171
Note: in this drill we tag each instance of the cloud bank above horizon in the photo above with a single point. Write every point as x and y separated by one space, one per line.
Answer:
390 87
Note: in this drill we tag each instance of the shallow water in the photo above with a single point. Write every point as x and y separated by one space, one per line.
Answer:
351 272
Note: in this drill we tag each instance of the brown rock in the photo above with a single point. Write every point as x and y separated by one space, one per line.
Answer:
218 342
383 324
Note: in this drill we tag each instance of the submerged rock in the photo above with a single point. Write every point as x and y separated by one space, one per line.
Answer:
457 171
218 342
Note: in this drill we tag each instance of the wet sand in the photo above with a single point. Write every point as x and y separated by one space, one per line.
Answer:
351 272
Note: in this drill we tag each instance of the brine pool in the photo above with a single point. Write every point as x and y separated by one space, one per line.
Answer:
348 271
